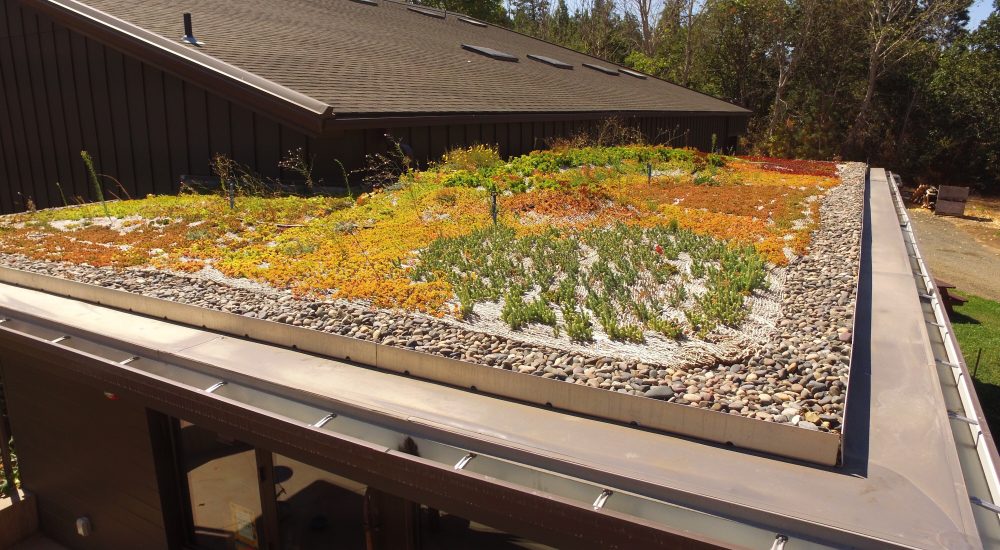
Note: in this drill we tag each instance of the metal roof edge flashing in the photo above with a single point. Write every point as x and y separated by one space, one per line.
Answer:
731 430
179 58
973 439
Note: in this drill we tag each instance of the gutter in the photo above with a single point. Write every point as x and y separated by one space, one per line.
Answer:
980 458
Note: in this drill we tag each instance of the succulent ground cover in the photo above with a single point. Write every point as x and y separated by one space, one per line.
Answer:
638 269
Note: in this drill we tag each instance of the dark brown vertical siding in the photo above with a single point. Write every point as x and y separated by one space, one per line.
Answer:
45 48
62 59
52 419
420 141
267 145
29 110
105 158
196 119
15 109
293 141
11 170
175 112
43 116
139 128
155 117
242 131
121 127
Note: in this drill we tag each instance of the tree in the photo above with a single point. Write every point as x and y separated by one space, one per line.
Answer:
895 30
646 13
530 16
966 92
491 11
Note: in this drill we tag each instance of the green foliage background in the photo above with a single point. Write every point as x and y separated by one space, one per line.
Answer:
901 83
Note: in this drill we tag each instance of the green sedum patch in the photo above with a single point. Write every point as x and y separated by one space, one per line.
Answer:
627 279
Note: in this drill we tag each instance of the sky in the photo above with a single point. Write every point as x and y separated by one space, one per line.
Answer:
979 11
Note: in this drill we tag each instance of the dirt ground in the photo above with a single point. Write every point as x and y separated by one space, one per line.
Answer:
964 251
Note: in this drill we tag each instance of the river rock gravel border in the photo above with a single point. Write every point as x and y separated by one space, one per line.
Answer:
798 375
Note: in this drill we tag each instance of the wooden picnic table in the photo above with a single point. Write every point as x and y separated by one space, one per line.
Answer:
946 298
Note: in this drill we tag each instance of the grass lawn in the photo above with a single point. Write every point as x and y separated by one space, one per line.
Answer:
977 326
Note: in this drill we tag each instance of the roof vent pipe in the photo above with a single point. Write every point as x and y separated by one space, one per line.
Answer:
188 33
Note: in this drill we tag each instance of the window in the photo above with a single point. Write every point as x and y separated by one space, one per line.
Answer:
428 13
472 22
550 61
633 73
602 69
222 485
490 52
317 509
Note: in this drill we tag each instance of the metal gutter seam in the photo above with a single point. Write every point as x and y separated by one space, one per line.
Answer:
189 63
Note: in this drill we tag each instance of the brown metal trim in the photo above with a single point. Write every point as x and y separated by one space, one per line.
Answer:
541 516
395 120
187 63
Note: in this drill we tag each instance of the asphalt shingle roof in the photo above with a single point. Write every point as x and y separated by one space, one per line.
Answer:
387 59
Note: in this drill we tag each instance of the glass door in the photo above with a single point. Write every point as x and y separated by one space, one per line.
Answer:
223 489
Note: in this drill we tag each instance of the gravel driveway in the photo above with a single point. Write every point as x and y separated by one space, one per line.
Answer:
954 255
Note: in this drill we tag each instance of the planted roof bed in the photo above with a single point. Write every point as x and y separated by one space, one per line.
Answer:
712 282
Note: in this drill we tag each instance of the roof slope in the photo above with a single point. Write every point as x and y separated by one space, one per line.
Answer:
385 59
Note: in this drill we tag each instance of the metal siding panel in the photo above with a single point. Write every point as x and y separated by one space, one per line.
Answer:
25 124
62 99
267 139
85 106
514 138
139 133
160 147
219 133
456 137
177 123
105 156
196 121
47 102
488 134
70 105
501 136
8 144
120 123
242 135
420 141
291 141
439 142
473 134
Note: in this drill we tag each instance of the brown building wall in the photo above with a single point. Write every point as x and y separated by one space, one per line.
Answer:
61 92
83 455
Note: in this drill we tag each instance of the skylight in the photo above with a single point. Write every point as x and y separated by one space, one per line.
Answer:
472 22
550 61
490 52
429 13
602 69
366 2
632 73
